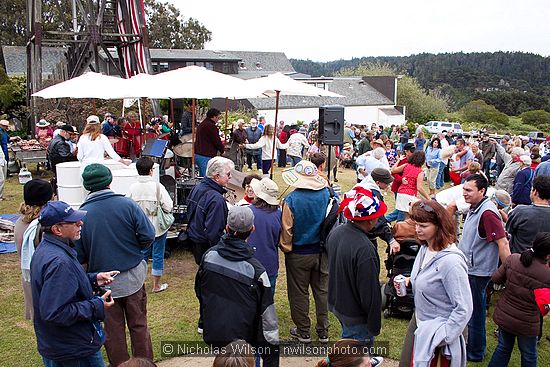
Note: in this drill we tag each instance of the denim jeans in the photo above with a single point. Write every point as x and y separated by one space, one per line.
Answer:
440 180
476 326
396 215
156 250
358 332
273 282
487 168
266 166
294 160
202 162
256 158
95 360
527 346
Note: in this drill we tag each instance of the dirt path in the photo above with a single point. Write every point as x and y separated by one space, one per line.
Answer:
285 362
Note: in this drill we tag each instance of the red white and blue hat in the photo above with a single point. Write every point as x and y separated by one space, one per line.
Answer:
360 204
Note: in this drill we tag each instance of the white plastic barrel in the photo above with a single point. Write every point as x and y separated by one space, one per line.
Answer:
122 179
69 184
69 180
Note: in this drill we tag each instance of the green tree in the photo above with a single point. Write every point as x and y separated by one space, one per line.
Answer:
12 22
168 28
482 113
421 105
538 118
13 94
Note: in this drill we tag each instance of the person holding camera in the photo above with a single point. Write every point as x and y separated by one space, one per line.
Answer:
67 310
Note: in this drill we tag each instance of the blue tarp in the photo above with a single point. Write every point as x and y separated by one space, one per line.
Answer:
8 247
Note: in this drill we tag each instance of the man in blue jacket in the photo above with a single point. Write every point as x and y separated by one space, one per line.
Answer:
115 233
207 208
67 315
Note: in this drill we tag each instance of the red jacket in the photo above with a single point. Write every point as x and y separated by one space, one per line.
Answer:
207 140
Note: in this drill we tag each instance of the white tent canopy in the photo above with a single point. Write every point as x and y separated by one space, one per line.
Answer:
88 85
186 82
198 82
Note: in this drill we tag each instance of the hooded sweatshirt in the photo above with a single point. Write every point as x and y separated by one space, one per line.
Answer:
235 298
443 305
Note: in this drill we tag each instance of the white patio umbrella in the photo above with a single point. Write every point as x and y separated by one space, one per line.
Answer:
198 82
278 84
88 85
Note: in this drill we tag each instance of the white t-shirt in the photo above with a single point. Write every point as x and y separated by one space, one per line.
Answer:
368 163
94 151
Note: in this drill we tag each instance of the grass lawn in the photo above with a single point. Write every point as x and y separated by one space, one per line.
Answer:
173 314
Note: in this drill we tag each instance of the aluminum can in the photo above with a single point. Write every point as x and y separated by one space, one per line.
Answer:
400 285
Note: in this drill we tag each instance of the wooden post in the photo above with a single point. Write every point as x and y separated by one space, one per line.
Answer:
274 132
193 139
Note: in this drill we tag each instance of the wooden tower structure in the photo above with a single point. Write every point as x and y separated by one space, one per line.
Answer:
98 28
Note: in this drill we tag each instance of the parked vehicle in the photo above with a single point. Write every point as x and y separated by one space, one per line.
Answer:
435 127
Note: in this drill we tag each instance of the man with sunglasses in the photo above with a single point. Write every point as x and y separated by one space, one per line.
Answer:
483 242
67 315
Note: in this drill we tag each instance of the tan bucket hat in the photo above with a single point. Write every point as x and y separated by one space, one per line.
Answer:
266 189
304 175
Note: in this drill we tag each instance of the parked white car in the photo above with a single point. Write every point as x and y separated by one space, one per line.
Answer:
435 127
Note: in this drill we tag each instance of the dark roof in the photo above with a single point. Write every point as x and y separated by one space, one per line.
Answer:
199 55
355 90
16 59
268 62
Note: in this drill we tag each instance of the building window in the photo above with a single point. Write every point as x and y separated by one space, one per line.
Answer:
209 66
258 65
159 67
242 66
199 63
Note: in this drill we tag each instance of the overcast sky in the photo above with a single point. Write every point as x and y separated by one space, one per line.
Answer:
325 30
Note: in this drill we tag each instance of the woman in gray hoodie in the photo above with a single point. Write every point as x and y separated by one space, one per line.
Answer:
442 296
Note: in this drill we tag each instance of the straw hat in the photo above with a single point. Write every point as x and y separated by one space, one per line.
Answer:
379 141
266 189
304 175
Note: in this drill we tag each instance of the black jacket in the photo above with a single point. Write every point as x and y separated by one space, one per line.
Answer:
382 228
353 288
59 151
236 301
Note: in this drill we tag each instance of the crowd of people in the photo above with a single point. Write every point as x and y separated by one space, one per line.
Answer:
471 237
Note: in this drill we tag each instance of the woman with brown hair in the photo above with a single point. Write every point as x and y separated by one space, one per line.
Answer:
442 295
266 144
93 145
349 353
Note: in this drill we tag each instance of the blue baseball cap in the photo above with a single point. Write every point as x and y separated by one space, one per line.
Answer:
58 211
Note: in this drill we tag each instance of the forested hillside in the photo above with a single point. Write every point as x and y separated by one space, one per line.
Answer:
514 82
